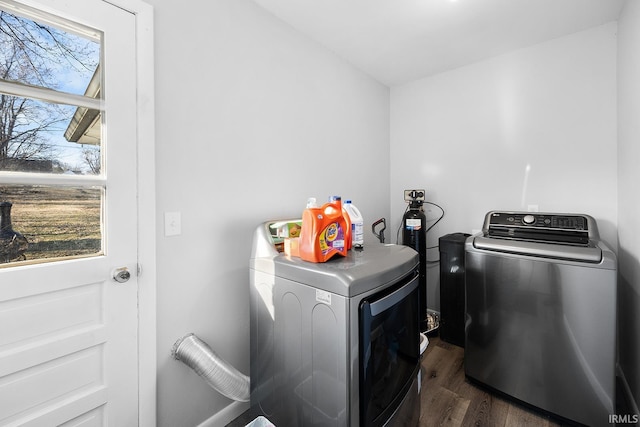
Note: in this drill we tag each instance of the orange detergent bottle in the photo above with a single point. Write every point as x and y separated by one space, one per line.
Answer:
324 232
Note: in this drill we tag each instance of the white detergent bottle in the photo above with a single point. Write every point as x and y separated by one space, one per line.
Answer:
357 224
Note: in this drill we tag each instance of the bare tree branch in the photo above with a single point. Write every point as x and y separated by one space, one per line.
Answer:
36 54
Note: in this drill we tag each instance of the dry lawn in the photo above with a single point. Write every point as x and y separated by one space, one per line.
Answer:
57 222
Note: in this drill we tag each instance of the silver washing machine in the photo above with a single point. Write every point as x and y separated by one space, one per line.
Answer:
541 313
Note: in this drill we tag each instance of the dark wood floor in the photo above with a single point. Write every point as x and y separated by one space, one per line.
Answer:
448 399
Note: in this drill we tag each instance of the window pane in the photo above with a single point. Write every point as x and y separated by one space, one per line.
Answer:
46 137
39 54
44 222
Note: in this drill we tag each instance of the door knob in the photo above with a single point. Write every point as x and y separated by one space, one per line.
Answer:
121 275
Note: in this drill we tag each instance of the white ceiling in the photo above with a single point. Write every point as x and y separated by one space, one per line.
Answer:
397 41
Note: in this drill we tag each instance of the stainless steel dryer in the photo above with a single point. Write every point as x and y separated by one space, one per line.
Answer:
541 313
335 344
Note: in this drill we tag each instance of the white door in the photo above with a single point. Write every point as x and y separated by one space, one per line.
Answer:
68 330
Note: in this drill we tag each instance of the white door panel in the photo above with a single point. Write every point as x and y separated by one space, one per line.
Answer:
68 331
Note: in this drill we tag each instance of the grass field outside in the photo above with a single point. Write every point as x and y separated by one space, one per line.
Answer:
56 221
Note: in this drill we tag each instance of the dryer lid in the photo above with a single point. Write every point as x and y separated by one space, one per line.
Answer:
376 265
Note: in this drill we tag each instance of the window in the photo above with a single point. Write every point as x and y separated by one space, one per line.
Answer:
52 187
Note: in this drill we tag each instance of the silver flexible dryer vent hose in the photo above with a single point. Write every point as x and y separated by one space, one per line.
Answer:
218 373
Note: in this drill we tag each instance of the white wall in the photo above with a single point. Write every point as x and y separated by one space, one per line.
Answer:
252 118
533 127
628 200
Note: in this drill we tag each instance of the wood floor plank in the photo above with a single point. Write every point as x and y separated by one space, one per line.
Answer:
446 408
441 366
485 409
449 399
518 417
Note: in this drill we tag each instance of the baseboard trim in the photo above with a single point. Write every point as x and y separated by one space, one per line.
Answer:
226 415
633 405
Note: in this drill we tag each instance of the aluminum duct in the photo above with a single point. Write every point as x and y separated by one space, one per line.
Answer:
218 373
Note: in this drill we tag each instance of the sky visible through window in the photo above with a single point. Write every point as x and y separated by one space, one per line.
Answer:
38 54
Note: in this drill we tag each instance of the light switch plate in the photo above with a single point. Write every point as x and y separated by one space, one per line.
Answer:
172 224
